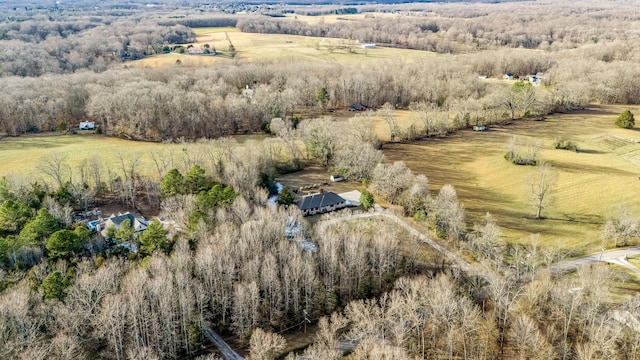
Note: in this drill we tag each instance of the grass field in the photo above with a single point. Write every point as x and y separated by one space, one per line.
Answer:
21 157
256 47
590 182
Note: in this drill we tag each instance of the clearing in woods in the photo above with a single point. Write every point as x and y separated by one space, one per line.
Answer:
591 182
271 47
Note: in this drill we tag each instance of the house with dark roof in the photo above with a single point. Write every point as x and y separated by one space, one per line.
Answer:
321 203
358 107
137 223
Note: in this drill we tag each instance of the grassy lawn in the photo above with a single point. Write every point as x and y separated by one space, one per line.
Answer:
590 182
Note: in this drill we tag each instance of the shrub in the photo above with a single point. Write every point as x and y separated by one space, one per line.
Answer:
626 120
366 199
563 144
522 151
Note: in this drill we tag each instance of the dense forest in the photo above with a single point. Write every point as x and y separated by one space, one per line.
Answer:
227 261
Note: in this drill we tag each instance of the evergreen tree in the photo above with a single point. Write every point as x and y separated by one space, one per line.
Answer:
286 197
53 286
155 237
196 180
172 184
366 199
13 216
124 233
41 226
323 98
63 244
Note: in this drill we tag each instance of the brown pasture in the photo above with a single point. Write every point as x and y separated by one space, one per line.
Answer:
591 182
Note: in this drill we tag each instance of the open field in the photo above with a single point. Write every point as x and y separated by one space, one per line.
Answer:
210 30
21 157
339 18
590 183
271 47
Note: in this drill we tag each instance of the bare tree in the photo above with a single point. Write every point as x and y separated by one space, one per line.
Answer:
541 183
265 345
622 227
387 113
55 166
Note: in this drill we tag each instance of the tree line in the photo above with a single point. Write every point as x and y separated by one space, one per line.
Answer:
454 28
156 104
37 47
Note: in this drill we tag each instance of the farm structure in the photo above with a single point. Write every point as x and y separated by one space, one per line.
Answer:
321 203
87 125
138 224
336 178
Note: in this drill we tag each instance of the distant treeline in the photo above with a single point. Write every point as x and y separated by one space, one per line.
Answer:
202 22
456 28
179 101
38 47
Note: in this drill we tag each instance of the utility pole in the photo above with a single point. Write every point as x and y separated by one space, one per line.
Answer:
306 320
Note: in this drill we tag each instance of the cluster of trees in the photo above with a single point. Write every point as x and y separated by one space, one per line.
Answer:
486 317
37 47
236 273
230 99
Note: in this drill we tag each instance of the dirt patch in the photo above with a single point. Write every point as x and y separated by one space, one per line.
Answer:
313 180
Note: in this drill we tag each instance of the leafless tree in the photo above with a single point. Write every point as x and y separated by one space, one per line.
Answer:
622 227
55 166
541 183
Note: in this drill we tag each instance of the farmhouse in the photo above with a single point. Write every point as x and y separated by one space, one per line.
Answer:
321 203
358 107
139 224
87 125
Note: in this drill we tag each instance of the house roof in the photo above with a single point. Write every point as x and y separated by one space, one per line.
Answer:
138 224
117 220
319 200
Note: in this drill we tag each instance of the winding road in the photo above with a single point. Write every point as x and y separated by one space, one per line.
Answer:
618 257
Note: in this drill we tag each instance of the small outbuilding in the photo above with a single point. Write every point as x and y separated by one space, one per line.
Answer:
87 125
336 178
479 128
321 203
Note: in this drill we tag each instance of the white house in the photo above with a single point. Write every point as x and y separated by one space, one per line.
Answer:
87 125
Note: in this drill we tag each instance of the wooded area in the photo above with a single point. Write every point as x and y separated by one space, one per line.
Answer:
224 256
